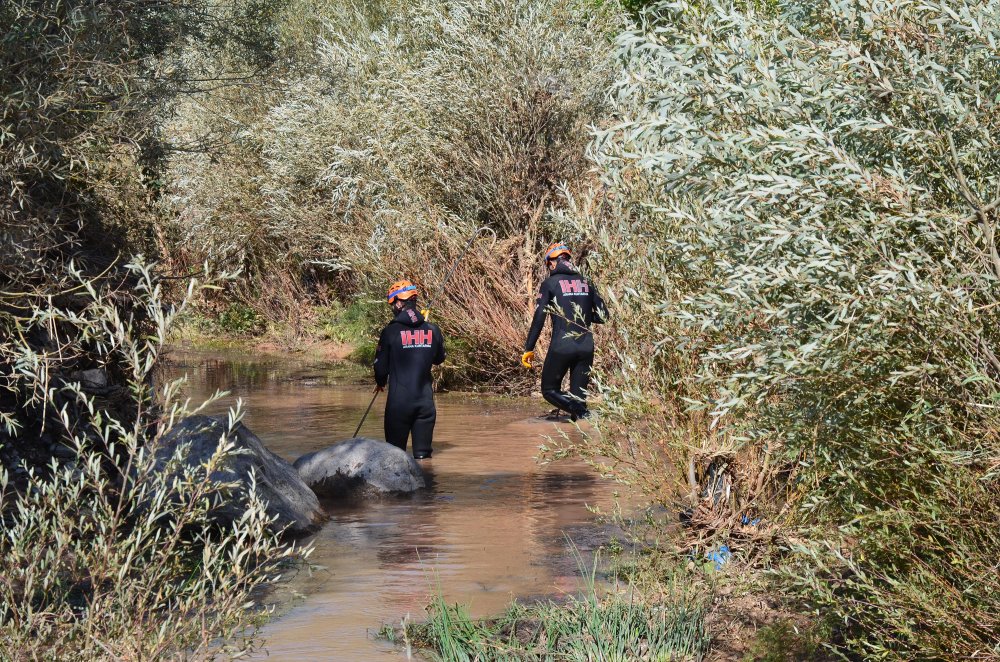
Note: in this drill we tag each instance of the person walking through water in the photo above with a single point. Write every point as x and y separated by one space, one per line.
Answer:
407 348
573 304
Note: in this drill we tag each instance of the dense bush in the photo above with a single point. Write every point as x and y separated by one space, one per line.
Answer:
75 128
405 128
102 557
801 242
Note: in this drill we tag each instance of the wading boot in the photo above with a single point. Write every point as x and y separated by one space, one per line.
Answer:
556 415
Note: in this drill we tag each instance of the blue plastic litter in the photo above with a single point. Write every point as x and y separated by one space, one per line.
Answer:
720 556
746 521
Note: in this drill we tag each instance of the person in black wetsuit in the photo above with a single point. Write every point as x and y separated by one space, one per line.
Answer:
407 348
573 304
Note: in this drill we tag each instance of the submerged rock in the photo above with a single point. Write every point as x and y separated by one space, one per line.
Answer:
278 483
360 467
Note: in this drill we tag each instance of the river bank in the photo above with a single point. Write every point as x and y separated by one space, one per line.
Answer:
317 340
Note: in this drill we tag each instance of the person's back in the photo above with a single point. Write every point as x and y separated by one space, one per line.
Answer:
570 302
407 349
573 304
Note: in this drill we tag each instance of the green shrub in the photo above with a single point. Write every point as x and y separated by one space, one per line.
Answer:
240 319
359 321
364 353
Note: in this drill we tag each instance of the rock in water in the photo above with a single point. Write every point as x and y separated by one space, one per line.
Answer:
360 467
278 483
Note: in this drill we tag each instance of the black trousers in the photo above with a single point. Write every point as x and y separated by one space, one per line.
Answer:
416 418
557 363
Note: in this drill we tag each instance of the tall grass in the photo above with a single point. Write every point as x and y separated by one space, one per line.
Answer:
616 629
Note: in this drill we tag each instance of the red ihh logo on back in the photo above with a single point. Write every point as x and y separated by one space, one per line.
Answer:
416 337
574 287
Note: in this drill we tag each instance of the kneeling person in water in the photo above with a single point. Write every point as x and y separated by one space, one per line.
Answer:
574 305
407 348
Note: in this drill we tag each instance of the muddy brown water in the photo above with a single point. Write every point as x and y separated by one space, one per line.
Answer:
493 525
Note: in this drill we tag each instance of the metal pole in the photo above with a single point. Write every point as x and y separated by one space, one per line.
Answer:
366 413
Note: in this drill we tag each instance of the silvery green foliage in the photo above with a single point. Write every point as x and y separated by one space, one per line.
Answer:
814 189
406 121
811 198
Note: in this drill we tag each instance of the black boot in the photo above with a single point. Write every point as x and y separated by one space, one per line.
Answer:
554 415
579 411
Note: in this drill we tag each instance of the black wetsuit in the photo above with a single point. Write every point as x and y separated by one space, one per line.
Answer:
407 348
573 304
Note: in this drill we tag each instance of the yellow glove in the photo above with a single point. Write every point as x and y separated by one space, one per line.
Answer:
526 359
426 312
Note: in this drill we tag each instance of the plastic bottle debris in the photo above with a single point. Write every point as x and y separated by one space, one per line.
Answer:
720 556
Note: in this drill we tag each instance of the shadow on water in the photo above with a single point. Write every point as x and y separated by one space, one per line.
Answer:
493 524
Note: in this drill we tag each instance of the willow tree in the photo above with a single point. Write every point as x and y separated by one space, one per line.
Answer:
812 191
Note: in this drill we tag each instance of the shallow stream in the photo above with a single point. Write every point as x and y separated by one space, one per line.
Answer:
493 525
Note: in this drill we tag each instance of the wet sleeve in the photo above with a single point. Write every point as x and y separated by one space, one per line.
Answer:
538 320
597 305
439 350
382 359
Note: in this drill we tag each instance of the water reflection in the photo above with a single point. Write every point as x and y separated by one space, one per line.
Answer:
493 523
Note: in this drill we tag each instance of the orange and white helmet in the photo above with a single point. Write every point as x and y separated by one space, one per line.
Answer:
401 289
557 249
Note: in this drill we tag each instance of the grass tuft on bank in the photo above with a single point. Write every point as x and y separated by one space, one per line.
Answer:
620 623
616 627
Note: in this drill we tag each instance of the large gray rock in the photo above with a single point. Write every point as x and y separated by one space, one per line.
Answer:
278 483
360 467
